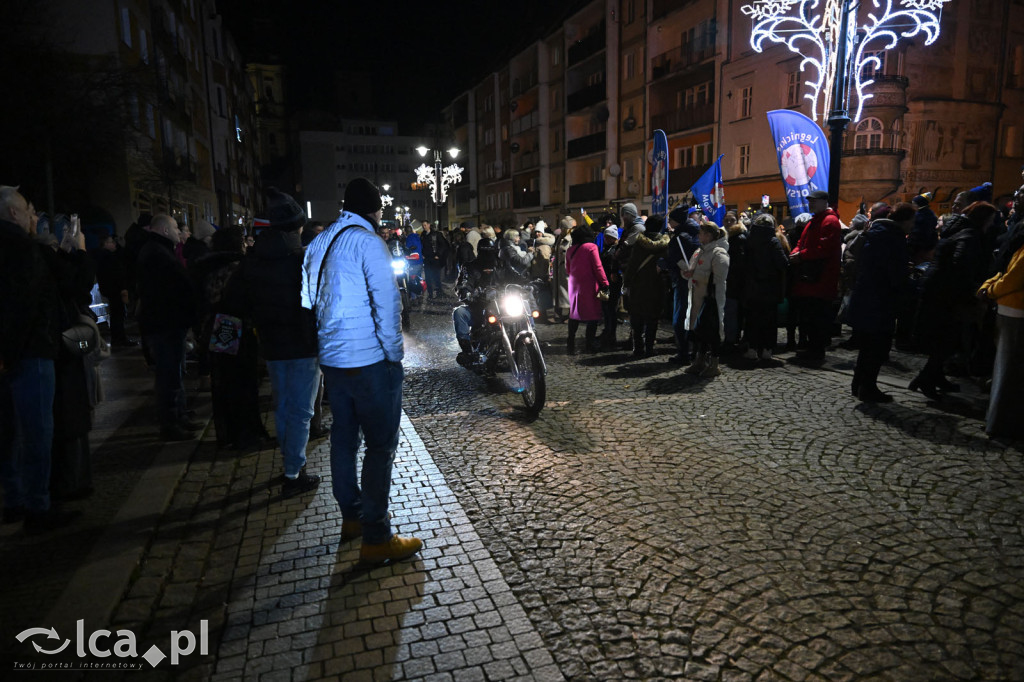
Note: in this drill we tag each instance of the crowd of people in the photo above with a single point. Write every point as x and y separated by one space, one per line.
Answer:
319 306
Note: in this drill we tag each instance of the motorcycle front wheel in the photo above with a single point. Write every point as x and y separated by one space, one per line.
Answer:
531 381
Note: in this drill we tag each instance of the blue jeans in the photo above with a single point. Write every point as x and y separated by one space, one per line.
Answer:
295 385
680 296
462 319
168 351
25 457
367 399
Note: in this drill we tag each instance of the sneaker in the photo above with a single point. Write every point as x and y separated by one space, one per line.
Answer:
395 549
51 519
300 484
175 433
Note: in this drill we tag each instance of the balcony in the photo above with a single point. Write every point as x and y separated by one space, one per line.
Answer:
662 7
522 199
589 46
525 160
685 119
588 191
680 59
870 172
588 144
592 94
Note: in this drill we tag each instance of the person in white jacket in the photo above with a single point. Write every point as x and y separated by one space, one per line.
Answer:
348 282
710 263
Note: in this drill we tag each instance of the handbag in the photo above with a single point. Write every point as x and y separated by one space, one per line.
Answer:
706 330
226 336
81 338
603 295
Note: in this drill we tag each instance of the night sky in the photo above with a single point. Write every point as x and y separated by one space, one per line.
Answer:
415 56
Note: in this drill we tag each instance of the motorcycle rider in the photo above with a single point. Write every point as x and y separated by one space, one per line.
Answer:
474 279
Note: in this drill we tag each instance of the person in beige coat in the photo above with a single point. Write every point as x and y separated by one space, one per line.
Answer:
711 260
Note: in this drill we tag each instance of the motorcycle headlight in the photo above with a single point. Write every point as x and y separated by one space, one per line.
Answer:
513 305
398 266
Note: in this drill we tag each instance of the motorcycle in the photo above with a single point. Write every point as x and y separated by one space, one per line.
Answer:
507 340
409 276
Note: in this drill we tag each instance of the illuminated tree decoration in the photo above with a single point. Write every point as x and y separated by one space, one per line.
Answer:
449 176
815 37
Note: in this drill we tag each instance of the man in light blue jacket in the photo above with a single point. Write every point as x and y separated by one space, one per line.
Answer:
348 282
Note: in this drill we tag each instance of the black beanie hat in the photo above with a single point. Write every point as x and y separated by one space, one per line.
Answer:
283 212
362 197
679 214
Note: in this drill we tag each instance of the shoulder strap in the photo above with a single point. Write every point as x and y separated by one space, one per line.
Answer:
320 273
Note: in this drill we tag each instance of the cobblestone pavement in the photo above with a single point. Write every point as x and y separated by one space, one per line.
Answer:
762 525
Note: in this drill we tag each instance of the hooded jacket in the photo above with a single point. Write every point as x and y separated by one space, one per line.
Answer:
358 307
821 240
710 259
273 278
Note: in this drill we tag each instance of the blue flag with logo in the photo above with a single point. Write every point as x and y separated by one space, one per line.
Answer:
659 173
803 156
710 194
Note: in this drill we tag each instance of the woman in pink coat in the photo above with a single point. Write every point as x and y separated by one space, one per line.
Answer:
586 277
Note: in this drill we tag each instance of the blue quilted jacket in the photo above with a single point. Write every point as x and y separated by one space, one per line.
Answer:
358 307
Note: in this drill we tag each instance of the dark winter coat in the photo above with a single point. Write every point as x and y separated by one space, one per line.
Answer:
110 273
272 274
166 298
947 291
28 299
766 263
434 244
924 235
737 262
684 241
641 277
882 278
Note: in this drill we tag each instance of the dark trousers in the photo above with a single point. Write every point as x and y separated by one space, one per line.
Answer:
874 351
816 318
610 313
591 335
645 332
115 308
680 309
168 352
762 323
433 276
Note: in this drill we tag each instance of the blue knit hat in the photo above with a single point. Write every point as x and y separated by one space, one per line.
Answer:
982 192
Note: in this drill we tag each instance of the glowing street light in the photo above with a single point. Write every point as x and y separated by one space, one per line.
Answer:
439 179
819 31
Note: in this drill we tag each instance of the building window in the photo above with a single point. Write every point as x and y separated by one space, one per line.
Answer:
746 101
556 56
868 134
1012 141
143 46
702 93
556 98
126 26
504 133
629 65
630 11
793 89
743 159
871 69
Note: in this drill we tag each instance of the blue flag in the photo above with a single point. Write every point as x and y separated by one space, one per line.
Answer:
659 174
710 194
803 156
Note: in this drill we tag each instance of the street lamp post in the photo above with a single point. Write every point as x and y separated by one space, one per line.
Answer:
439 177
820 32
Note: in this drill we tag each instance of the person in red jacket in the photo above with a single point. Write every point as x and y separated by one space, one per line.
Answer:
814 265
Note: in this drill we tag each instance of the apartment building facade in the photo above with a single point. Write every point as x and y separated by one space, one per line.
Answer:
583 102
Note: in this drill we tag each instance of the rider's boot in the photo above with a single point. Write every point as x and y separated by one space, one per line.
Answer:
465 358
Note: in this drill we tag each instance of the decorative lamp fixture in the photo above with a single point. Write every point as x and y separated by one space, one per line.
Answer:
819 31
